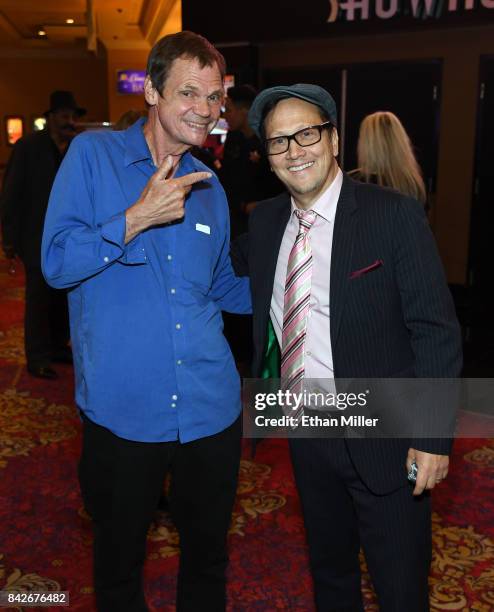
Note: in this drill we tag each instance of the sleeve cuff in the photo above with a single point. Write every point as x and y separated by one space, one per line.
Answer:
436 446
113 232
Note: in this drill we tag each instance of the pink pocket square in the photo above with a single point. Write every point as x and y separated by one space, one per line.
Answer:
357 273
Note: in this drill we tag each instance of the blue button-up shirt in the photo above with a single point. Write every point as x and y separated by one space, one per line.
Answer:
151 361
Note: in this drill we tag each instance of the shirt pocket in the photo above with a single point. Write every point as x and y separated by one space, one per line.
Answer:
197 259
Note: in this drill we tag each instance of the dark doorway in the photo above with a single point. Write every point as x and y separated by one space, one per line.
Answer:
241 61
480 290
481 264
409 90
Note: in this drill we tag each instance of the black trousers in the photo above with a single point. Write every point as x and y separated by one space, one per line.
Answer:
46 319
121 482
341 515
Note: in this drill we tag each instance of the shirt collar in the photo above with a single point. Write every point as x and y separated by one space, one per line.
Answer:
325 205
136 149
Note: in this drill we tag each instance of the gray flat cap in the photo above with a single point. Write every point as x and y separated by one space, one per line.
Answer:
304 91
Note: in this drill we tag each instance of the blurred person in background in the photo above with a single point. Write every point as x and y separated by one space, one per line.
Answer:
247 178
27 184
245 173
386 158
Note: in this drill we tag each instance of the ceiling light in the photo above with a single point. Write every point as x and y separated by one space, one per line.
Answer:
41 33
69 21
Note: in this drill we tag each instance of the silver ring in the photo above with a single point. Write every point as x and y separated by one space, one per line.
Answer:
412 474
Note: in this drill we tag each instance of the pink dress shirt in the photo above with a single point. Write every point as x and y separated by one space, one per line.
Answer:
318 360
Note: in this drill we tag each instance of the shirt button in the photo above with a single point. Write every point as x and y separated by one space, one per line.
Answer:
174 405
169 257
178 326
173 291
174 397
106 259
308 353
179 362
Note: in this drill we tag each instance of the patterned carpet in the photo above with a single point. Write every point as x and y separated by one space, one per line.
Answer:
45 536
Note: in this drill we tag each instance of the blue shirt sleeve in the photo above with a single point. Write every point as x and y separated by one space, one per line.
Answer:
74 246
232 293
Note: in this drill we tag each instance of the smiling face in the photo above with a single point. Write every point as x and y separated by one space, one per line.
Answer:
189 105
305 171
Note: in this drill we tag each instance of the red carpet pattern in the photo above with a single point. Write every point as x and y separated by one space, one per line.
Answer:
45 535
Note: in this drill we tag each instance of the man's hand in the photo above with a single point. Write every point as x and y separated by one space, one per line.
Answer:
162 200
431 469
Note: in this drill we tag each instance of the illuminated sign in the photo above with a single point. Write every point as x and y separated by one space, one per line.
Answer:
296 20
39 123
130 81
353 10
14 128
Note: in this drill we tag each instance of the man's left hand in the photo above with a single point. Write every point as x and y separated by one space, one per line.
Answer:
432 469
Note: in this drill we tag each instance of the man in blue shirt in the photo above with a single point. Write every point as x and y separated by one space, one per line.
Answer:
138 231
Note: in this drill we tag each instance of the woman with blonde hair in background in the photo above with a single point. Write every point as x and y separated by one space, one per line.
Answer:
385 156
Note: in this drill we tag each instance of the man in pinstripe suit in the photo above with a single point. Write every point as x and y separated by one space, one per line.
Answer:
375 304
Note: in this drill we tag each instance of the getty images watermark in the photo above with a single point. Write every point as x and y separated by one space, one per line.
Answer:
371 408
310 409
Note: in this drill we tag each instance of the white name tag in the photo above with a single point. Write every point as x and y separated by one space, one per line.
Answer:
205 229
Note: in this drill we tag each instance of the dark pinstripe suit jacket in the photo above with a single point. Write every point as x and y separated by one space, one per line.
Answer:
396 320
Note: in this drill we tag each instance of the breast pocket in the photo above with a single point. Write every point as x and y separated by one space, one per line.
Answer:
198 259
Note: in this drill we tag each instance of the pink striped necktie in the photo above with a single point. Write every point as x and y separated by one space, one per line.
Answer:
296 305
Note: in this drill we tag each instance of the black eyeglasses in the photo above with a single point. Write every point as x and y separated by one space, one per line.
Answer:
306 137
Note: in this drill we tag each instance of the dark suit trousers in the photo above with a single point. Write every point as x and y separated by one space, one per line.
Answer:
121 483
341 515
46 320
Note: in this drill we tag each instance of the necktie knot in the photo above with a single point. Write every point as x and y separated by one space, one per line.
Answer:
305 219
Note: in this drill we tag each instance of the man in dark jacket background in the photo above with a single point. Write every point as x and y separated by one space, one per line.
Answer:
244 173
27 184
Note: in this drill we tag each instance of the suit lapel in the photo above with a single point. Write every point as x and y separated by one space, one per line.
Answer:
341 254
281 215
